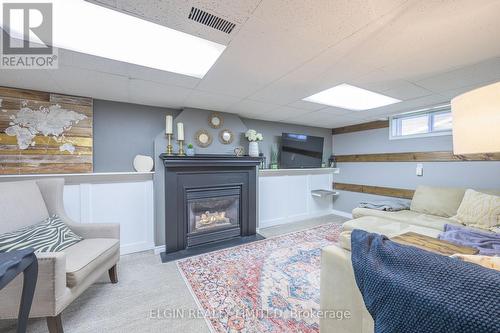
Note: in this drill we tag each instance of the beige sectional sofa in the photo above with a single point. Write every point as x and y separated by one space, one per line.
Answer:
431 208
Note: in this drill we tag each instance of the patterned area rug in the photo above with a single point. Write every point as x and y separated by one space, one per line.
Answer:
266 286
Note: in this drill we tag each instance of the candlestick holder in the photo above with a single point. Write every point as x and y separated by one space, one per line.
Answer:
170 148
181 148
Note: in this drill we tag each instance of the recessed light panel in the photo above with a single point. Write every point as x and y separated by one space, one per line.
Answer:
88 28
350 97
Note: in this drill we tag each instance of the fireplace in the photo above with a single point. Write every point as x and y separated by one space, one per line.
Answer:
209 200
213 214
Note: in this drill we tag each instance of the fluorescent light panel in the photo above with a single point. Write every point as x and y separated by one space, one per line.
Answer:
350 97
88 28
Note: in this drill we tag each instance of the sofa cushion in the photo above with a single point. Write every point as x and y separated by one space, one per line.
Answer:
84 257
51 235
377 225
432 221
440 201
21 204
408 217
479 210
387 227
402 215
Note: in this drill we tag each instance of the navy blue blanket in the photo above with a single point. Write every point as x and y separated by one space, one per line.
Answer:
407 289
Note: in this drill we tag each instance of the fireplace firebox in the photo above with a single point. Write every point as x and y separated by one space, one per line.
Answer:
213 214
209 200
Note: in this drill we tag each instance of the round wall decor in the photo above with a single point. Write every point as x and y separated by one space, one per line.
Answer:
226 136
215 120
203 138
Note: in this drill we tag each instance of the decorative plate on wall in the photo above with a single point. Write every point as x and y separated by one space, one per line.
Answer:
203 138
215 120
226 136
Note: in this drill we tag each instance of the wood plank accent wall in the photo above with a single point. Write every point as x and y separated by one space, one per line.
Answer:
46 154
379 190
433 156
361 127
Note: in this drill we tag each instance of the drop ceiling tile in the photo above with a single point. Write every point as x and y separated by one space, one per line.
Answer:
39 79
205 100
450 94
256 57
307 105
334 111
405 106
79 60
104 65
325 22
152 93
286 112
471 75
422 40
320 118
174 14
162 77
81 82
266 117
247 107
383 82
309 79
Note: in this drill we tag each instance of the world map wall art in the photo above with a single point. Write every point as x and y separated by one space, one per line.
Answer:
44 133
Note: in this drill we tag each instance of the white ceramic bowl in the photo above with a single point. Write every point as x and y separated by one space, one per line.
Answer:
143 163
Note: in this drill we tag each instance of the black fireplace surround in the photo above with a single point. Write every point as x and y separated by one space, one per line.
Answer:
210 200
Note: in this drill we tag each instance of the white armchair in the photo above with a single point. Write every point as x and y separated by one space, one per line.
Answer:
62 276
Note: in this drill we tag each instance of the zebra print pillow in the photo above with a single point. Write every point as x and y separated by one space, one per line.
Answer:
51 235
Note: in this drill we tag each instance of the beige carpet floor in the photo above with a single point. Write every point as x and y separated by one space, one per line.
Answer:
146 287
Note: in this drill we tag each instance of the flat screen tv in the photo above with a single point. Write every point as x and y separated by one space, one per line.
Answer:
301 151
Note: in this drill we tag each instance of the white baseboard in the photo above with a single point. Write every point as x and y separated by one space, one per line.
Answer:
297 218
159 249
341 213
135 247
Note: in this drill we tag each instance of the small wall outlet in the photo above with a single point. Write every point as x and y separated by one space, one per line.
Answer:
420 170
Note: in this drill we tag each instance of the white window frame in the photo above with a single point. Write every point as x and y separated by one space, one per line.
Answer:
430 112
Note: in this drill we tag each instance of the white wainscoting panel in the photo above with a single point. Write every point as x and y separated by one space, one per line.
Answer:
129 204
287 198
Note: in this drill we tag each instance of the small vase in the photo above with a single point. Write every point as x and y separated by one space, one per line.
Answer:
190 151
253 149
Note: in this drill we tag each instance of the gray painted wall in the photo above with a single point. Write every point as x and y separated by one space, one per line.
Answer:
272 135
196 119
122 131
479 175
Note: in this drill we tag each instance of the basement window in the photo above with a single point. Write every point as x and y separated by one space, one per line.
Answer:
422 123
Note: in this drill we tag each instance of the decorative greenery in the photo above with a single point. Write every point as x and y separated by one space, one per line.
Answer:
274 157
190 146
253 136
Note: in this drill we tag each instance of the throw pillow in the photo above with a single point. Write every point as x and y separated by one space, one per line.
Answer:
51 235
479 210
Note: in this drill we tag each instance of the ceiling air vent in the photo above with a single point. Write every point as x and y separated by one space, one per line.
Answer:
210 20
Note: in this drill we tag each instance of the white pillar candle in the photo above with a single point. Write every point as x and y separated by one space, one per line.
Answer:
180 131
168 124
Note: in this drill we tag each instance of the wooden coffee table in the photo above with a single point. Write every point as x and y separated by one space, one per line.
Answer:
432 244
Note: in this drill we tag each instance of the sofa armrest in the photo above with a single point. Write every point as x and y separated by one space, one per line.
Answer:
339 292
96 230
50 288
